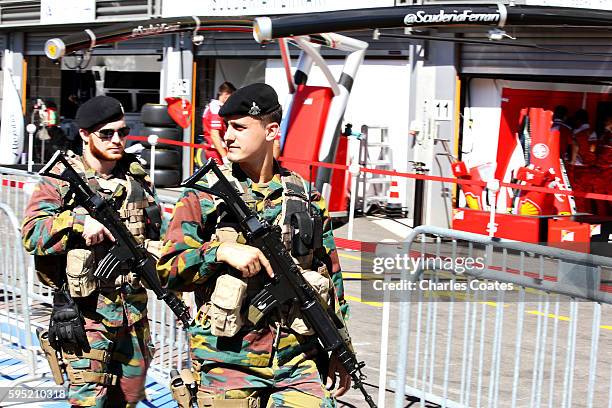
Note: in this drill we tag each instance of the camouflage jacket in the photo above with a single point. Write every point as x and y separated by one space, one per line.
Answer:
188 263
53 225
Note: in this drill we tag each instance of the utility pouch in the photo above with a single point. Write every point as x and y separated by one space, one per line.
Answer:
154 247
153 221
227 298
249 402
210 400
80 266
51 356
302 234
320 283
179 390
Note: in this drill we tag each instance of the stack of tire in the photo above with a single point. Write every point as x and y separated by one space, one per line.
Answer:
168 158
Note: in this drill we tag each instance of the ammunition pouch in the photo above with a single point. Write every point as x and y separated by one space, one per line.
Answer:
154 247
306 233
153 222
226 302
227 234
80 266
320 282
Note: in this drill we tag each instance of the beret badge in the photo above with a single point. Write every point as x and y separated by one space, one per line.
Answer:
255 110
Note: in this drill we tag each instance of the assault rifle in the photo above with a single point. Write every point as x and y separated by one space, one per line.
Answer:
125 251
288 284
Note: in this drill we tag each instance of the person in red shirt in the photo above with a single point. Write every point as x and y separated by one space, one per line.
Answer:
585 140
583 160
603 179
213 125
604 154
565 131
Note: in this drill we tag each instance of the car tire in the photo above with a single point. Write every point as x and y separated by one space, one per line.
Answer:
163 133
164 158
167 178
153 114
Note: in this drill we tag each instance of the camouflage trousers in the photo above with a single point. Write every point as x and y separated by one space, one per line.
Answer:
115 373
294 384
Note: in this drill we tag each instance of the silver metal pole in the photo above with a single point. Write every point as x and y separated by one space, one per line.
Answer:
153 142
31 129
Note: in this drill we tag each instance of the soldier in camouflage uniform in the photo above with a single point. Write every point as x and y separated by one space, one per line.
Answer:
280 361
111 369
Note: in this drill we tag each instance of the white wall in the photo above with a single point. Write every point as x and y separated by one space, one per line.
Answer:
180 8
481 118
239 72
379 98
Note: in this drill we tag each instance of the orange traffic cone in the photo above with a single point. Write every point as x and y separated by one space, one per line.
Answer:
394 204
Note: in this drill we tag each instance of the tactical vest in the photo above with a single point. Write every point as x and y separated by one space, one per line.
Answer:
230 292
135 203
295 202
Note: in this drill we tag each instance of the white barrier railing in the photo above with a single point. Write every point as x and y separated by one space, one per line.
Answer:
15 332
22 293
451 352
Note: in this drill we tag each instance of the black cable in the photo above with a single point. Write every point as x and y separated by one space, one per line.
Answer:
491 42
388 218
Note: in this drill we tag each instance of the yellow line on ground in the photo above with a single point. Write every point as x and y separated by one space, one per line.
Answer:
356 257
552 316
347 256
563 318
360 275
356 299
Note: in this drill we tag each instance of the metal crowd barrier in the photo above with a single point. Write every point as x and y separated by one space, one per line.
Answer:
15 325
541 345
26 303
16 187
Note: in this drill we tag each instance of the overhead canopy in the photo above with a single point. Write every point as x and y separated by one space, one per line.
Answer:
268 28
55 48
494 15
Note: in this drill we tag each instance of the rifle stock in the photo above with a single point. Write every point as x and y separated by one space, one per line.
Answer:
288 282
125 248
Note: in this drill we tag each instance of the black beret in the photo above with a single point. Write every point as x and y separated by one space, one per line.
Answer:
254 100
98 111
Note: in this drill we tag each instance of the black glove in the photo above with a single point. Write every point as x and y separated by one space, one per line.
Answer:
67 326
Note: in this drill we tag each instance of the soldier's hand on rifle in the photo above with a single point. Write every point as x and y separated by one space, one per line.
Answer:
245 258
337 372
94 232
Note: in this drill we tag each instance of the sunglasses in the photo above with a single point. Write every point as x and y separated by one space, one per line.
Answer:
107 134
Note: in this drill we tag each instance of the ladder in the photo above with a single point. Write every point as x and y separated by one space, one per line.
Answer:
374 153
